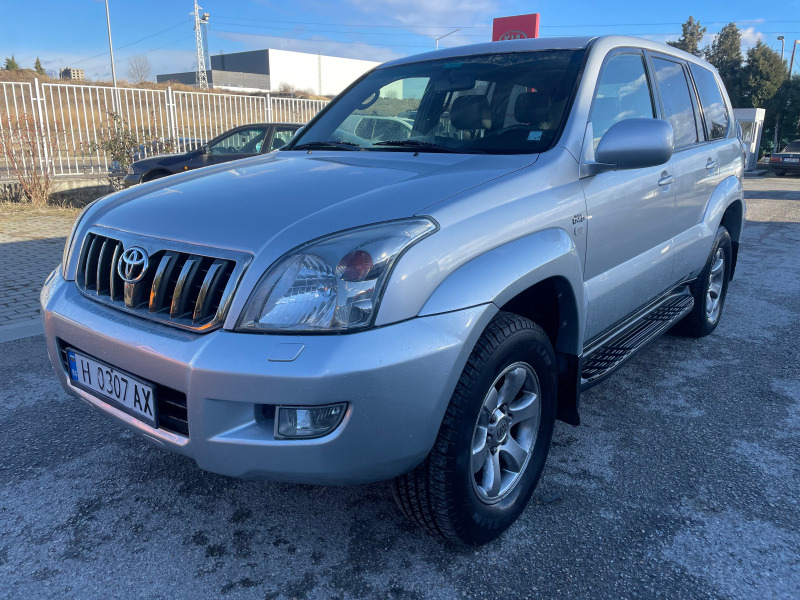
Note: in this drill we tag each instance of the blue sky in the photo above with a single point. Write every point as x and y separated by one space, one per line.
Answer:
73 32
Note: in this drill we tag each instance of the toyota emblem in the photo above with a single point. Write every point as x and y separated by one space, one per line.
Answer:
132 264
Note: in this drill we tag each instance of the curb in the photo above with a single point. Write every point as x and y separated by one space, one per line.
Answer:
19 331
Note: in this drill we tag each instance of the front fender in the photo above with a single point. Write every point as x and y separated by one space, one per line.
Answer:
502 273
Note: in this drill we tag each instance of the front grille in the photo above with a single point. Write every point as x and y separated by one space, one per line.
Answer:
172 411
181 286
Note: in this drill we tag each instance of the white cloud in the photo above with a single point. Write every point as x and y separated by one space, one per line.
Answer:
431 13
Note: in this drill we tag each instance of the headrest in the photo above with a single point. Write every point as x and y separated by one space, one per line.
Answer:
531 106
471 112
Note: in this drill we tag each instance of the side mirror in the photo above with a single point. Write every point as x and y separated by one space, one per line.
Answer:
634 144
204 149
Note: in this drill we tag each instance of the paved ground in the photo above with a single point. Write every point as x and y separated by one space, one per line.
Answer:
30 246
683 482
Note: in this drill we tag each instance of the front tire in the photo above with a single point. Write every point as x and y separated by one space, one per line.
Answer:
493 441
710 289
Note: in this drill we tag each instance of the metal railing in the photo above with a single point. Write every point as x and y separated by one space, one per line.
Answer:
73 119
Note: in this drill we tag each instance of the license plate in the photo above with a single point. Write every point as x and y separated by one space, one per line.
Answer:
121 389
791 160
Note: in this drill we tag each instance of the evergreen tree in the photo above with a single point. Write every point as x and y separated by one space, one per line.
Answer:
761 76
11 64
691 37
37 66
725 53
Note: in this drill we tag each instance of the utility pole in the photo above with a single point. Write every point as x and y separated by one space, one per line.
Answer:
791 62
110 47
444 36
201 78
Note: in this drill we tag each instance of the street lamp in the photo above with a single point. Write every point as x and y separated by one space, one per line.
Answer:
780 37
444 36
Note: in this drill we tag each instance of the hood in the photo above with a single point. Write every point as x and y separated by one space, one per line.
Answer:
161 160
296 196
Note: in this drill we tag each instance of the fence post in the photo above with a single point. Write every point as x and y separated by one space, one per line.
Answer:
269 108
39 119
172 119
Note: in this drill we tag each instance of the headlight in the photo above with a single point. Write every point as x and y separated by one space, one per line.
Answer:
332 284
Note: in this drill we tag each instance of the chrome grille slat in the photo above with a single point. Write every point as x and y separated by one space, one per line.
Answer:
101 272
115 282
158 292
180 297
207 289
184 285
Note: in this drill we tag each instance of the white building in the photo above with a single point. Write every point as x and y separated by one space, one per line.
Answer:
266 70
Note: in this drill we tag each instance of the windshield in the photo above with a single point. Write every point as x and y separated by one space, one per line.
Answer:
505 103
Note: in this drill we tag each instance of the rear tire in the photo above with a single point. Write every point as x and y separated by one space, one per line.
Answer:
780 173
493 441
710 289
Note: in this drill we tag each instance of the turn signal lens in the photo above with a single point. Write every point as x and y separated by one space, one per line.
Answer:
355 266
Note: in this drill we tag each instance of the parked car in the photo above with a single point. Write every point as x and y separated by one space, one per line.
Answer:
786 161
421 309
240 142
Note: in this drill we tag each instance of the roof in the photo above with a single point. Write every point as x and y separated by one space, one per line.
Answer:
554 43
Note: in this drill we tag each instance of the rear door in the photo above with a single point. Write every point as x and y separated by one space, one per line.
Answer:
694 164
629 229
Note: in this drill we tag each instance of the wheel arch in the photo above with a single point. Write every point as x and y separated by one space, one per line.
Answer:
726 207
156 173
539 277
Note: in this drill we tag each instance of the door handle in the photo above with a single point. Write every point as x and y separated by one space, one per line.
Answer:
666 179
711 164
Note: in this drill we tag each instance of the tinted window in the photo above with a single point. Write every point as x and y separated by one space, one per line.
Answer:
243 141
793 147
280 138
714 109
677 101
622 93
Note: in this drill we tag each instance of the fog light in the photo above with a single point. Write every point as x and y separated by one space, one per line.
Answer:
303 422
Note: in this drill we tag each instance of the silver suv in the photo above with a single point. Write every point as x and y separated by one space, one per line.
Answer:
419 307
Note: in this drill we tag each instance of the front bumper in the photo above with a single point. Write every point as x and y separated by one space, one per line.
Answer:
397 381
130 180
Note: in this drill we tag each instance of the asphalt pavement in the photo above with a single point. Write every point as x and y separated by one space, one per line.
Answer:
682 482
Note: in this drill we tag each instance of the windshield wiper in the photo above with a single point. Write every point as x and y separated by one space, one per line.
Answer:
427 146
321 145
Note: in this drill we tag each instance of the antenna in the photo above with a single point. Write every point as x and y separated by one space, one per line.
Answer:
201 80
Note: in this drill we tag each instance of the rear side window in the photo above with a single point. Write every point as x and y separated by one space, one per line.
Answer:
714 109
677 101
622 93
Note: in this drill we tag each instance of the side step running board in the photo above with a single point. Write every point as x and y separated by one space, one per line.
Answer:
610 354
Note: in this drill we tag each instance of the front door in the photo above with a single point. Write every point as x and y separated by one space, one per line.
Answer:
629 252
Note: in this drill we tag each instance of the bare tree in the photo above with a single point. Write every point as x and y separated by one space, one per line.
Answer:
29 151
139 69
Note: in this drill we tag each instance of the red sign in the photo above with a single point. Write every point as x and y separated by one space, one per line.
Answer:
515 28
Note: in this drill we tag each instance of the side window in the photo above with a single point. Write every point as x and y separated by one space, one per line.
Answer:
677 101
622 93
714 109
280 138
243 141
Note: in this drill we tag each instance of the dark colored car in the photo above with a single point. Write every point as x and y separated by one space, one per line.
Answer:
240 142
787 161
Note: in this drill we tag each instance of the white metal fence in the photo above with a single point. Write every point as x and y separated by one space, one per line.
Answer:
73 119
